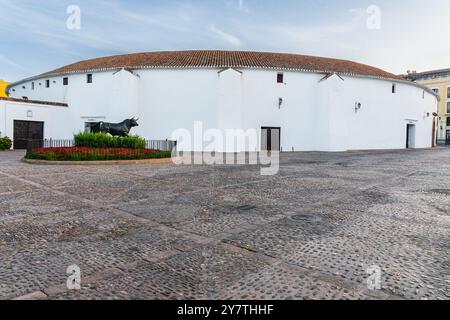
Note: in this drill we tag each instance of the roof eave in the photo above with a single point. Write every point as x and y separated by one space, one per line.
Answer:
220 67
46 103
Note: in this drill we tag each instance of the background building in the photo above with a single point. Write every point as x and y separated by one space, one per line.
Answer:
3 86
28 121
294 102
439 82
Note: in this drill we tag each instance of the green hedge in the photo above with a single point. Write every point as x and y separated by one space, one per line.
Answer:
5 143
88 154
104 140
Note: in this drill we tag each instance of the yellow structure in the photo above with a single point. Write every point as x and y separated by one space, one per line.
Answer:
439 82
3 86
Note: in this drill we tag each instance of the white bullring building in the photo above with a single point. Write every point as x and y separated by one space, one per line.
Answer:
294 102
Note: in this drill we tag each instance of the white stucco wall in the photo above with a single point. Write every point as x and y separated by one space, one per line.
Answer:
382 120
314 116
172 99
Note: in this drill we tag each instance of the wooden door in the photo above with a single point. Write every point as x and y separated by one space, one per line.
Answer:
28 134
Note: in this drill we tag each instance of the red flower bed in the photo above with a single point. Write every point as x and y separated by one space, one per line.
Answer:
96 150
95 154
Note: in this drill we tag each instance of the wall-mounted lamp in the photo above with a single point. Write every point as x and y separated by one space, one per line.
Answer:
280 102
358 106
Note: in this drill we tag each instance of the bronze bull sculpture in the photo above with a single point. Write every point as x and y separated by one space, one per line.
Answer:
115 129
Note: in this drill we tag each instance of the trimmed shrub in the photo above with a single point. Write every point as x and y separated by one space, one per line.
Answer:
104 140
95 154
5 143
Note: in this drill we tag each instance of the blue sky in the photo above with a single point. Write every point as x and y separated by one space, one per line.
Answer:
413 34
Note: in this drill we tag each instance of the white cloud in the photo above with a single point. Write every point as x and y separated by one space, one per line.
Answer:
226 37
242 6
237 5
319 33
12 63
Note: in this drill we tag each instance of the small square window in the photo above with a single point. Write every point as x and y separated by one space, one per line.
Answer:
280 78
394 88
47 83
89 78
65 81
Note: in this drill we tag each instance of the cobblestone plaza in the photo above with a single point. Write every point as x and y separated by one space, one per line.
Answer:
225 232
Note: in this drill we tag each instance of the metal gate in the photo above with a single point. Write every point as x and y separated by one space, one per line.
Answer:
28 134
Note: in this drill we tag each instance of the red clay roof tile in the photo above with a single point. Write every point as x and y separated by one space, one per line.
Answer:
224 59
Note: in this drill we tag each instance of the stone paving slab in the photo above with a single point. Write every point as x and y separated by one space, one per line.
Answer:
45 266
366 240
9 186
35 203
21 169
29 231
196 274
279 282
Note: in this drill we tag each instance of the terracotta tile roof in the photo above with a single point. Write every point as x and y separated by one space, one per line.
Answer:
47 103
224 59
